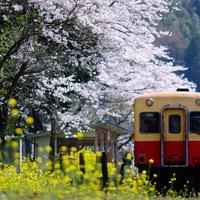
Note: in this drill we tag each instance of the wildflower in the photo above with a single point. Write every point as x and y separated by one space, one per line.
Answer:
73 149
139 182
152 189
71 168
63 148
57 165
29 120
135 190
47 149
67 179
129 156
111 169
14 113
14 144
98 154
19 131
49 164
16 155
12 102
79 135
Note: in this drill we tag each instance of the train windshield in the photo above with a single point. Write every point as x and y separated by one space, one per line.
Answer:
150 122
195 122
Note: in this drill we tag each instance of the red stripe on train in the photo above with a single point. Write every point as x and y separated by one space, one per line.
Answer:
174 152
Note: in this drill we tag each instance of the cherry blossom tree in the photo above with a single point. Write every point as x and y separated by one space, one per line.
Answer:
47 57
46 54
123 33
133 64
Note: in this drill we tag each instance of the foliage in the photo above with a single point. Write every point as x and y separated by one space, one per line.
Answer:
44 58
183 24
35 181
17 121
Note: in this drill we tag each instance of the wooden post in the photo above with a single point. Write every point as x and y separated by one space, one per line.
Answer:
104 168
82 162
19 167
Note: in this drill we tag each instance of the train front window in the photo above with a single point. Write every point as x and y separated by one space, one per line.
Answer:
195 122
174 124
150 122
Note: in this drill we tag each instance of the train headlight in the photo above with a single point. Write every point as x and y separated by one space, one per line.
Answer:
151 161
197 101
149 102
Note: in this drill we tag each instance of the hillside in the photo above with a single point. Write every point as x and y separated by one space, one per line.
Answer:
183 40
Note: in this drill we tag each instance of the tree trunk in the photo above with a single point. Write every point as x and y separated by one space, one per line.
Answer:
52 153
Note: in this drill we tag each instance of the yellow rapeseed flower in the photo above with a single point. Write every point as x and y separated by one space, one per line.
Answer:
12 102
57 165
139 182
14 144
129 156
111 169
71 168
63 148
29 120
135 190
67 179
16 155
79 135
98 154
47 149
73 149
70 182
14 113
19 131
49 164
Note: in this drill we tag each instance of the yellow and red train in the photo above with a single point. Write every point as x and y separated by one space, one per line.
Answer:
167 130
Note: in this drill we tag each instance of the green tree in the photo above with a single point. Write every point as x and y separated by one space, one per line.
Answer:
183 42
192 59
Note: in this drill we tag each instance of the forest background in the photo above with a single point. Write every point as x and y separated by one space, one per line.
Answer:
184 42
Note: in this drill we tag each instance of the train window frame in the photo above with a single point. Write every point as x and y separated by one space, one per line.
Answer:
141 123
171 128
190 121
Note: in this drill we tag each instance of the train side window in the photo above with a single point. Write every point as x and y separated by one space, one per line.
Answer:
174 124
150 122
195 122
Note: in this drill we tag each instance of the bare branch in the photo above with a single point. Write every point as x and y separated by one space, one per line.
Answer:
19 74
113 3
13 49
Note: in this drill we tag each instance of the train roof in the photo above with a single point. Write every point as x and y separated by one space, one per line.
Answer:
170 94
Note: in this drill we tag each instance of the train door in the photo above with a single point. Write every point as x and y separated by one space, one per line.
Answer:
174 139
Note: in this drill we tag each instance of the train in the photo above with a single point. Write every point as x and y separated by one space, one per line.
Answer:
167 133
